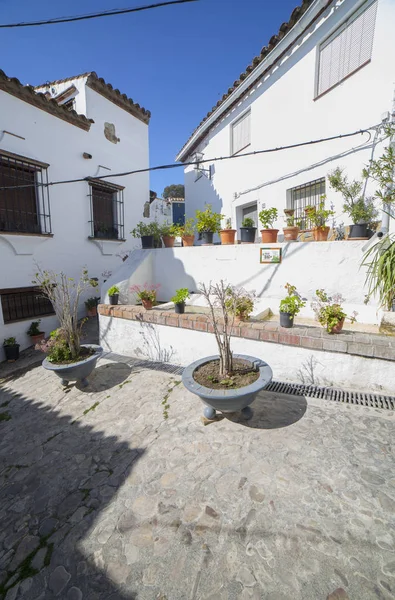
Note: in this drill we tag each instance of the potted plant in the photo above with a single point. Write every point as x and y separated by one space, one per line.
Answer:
226 382
291 231
179 299
267 217
290 306
227 234
113 295
66 356
168 233
360 209
239 304
149 234
91 306
187 232
247 231
11 349
318 217
146 293
329 311
35 333
208 223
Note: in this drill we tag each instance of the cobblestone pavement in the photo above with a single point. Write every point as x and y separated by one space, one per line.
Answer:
102 498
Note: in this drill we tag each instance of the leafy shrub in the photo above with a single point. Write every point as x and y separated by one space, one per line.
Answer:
248 222
267 217
208 221
11 341
239 302
34 328
56 347
180 296
292 303
114 289
91 302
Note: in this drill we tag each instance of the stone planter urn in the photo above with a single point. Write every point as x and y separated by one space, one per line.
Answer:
78 371
228 400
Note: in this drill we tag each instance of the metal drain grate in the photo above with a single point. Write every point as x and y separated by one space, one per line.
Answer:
293 389
326 393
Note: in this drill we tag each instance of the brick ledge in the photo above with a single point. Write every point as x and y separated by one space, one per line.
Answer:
368 345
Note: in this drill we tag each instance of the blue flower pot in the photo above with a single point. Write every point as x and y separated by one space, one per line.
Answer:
78 371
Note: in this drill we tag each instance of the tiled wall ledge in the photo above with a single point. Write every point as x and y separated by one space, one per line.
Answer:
359 344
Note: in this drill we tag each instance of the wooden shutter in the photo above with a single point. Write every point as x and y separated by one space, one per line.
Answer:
241 133
18 205
103 209
347 49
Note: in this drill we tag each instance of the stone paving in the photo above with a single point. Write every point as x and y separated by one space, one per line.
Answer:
102 498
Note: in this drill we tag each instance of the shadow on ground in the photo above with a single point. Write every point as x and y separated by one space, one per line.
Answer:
56 476
273 411
106 377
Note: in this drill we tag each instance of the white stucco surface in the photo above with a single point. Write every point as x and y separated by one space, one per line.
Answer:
183 346
51 140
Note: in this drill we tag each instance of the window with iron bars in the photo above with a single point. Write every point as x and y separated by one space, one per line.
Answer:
302 196
107 211
24 197
24 303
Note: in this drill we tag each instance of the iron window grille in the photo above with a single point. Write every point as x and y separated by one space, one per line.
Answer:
107 211
24 303
24 196
302 196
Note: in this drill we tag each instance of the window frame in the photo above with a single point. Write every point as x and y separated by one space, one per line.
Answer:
41 194
329 38
36 314
246 113
117 208
291 200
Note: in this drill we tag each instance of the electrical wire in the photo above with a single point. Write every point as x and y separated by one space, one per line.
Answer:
106 13
195 163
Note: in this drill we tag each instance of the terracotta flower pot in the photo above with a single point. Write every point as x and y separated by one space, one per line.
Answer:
92 312
37 338
269 236
227 236
290 233
168 240
240 319
188 240
321 234
337 328
147 304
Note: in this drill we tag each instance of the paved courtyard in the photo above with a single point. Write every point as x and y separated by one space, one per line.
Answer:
102 498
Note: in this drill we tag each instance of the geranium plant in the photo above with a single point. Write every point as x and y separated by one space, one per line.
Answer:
329 310
293 302
145 292
239 302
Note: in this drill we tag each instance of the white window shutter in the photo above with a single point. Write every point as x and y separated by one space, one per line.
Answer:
241 133
347 49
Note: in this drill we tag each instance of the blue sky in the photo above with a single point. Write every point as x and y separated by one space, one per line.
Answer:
176 61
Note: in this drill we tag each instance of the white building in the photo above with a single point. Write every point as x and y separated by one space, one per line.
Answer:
73 129
328 71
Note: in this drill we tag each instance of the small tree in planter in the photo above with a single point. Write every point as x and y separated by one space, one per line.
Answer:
35 333
113 295
228 382
267 217
361 210
11 349
290 306
318 217
227 234
179 299
247 231
146 293
208 223
329 311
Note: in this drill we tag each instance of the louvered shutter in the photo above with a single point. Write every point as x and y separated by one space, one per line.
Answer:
347 49
241 133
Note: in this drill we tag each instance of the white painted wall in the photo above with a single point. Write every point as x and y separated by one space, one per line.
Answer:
54 141
183 346
334 266
284 111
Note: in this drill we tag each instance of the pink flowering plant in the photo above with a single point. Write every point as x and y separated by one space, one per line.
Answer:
147 291
329 310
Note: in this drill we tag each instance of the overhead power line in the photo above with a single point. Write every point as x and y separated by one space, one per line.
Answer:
195 163
105 13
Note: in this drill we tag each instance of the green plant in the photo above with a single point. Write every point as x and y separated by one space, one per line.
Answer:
91 302
380 277
143 229
290 218
248 222
146 291
239 302
360 209
329 311
180 296
318 215
228 223
382 171
56 347
169 229
188 228
292 303
11 341
64 293
114 289
34 328
208 221
267 217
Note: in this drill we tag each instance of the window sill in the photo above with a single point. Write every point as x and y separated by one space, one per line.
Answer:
29 318
24 234
98 239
